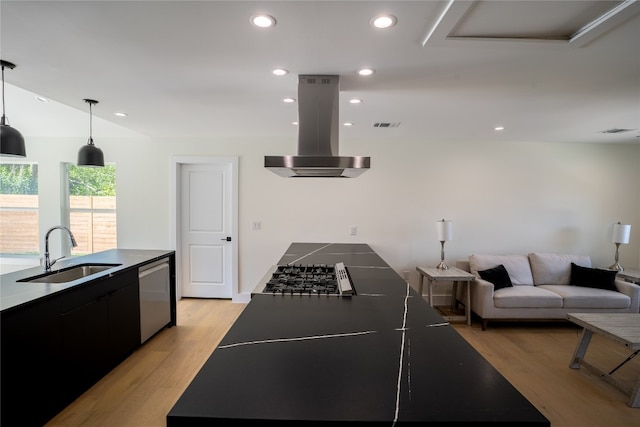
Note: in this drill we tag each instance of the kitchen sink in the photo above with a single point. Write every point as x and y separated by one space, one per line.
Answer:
70 273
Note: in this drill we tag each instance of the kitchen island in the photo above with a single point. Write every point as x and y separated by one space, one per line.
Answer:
381 356
16 293
63 331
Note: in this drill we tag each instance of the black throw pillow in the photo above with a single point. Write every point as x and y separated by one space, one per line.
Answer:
498 276
593 277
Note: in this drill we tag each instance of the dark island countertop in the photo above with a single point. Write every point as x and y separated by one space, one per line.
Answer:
381 356
15 294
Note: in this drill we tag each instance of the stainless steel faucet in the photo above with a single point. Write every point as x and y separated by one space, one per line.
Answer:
47 262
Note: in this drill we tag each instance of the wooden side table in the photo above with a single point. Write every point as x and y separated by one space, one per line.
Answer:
632 276
454 275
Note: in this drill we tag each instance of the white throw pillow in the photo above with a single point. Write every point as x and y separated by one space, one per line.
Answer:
516 265
555 269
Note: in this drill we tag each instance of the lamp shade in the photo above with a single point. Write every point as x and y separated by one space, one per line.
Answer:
620 233
90 155
444 230
11 141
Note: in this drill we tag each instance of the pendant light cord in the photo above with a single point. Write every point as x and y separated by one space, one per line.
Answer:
90 102
90 123
3 91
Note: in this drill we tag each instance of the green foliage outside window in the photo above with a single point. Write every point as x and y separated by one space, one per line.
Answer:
18 178
92 181
23 179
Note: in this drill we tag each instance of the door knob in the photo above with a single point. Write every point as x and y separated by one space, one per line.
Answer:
228 239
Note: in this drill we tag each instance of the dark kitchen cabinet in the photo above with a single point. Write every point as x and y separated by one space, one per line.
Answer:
100 328
31 363
124 321
84 344
56 348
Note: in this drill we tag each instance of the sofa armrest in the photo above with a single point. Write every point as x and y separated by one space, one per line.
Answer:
632 290
481 296
481 292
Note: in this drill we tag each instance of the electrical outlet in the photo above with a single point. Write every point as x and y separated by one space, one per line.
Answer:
256 225
353 230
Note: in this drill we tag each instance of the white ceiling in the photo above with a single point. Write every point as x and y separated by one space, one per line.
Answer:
448 71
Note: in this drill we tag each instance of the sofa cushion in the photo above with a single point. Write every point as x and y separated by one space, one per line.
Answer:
516 265
554 269
526 297
580 297
496 275
593 277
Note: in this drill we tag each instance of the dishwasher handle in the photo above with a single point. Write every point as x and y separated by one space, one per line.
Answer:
143 273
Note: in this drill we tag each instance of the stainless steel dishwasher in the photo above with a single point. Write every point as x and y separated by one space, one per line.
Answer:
155 297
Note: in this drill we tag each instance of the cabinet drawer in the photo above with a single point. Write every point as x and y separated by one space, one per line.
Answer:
97 289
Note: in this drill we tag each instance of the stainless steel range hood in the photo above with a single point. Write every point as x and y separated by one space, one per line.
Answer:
318 129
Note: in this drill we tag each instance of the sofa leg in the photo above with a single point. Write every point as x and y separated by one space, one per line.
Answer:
485 323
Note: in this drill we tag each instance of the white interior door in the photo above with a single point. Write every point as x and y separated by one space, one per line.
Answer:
206 230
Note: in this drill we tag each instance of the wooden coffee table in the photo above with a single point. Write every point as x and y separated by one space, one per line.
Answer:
620 327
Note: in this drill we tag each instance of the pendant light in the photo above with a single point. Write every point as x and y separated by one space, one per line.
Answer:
90 155
11 141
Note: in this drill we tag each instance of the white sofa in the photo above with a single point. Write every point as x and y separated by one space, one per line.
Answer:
543 287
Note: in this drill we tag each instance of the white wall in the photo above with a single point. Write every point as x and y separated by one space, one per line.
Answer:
505 197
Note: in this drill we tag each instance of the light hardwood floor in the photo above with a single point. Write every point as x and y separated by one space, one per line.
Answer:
534 357
141 390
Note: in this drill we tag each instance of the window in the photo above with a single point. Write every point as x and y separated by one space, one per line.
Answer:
90 200
19 232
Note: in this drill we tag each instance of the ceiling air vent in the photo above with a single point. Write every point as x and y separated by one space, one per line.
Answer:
385 124
615 130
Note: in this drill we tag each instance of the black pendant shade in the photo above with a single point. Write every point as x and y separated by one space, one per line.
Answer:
11 141
90 155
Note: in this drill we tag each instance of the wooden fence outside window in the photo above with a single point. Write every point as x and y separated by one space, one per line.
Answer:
93 231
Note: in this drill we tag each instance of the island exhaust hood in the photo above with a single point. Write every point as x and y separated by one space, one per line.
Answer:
318 129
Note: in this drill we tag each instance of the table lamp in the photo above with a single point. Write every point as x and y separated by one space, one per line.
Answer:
619 234
445 232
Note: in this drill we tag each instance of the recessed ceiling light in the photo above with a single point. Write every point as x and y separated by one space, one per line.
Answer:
348 123
383 21
120 114
355 101
263 21
365 71
42 99
289 100
280 72
498 128
294 123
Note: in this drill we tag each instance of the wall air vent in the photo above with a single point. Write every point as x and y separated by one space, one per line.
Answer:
385 124
615 130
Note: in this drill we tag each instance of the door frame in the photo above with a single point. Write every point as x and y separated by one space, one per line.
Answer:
176 217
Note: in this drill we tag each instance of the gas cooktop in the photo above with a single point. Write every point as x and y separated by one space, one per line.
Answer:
307 279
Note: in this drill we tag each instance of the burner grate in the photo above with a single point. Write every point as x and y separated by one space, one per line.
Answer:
312 279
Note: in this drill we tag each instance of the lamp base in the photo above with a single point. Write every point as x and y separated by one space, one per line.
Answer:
616 267
442 266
